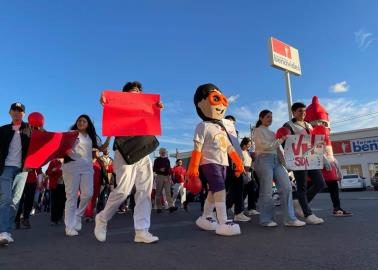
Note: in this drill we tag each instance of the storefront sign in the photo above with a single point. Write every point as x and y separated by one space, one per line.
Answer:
355 146
284 56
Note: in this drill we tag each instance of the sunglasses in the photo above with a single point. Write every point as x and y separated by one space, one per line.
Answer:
216 98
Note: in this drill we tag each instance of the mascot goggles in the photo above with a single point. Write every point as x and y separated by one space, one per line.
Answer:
216 98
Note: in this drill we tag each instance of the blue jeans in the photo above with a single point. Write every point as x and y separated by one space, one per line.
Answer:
268 167
12 184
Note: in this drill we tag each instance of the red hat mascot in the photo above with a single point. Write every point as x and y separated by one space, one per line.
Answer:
317 116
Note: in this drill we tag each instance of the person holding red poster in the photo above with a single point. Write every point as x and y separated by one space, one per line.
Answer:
130 171
14 144
318 117
78 173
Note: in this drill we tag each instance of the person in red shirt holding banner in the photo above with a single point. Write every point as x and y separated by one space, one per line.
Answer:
58 194
34 179
139 174
178 178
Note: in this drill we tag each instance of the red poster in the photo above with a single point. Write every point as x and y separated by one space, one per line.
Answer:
46 146
130 114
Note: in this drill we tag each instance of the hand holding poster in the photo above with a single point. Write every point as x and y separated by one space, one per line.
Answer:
130 114
304 152
46 146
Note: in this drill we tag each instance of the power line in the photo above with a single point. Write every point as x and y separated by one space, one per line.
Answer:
354 117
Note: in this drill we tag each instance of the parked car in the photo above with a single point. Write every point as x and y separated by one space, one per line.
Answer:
374 181
352 181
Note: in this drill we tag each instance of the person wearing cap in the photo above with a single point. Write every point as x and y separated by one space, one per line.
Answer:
14 143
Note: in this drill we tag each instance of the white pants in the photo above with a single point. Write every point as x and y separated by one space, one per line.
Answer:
139 174
179 188
75 181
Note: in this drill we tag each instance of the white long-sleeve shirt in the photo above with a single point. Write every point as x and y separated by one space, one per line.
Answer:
265 141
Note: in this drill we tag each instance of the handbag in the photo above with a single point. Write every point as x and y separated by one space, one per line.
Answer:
134 148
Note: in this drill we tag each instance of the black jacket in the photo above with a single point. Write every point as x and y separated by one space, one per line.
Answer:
6 136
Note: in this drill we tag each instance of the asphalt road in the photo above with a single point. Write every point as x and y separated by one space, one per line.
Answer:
340 243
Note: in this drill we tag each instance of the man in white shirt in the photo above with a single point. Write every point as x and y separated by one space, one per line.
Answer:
14 143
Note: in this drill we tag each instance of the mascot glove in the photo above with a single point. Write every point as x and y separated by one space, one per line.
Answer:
194 164
327 164
239 168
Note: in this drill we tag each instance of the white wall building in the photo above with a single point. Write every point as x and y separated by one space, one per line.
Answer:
357 151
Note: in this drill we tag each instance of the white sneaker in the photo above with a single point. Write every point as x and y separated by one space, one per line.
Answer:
100 229
253 212
10 239
4 238
78 225
295 223
270 224
241 217
298 209
71 232
314 220
207 224
228 229
145 237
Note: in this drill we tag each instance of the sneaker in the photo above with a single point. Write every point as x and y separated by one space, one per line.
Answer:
228 229
26 223
295 223
241 217
71 232
298 209
207 224
341 213
172 209
4 238
78 225
9 236
313 220
145 237
270 224
100 229
253 212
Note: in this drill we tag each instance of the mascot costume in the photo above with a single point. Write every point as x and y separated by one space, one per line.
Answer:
210 159
317 116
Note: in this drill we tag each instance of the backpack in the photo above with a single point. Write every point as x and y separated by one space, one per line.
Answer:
134 148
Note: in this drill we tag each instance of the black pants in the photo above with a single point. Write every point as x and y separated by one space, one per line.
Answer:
333 189
305 195
251 190
235 193
58 200
26 201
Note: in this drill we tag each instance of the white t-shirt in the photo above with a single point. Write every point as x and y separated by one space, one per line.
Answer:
247 160
82 149
215 143
14 157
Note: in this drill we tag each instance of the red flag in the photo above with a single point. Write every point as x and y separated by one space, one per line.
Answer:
281 48
131 114
46 146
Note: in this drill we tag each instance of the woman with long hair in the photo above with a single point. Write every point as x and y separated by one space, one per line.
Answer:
268 167
78 173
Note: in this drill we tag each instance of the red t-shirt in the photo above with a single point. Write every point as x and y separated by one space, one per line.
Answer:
54 172
178 174
33 176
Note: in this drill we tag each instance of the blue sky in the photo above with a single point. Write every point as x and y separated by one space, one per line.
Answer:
57 57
